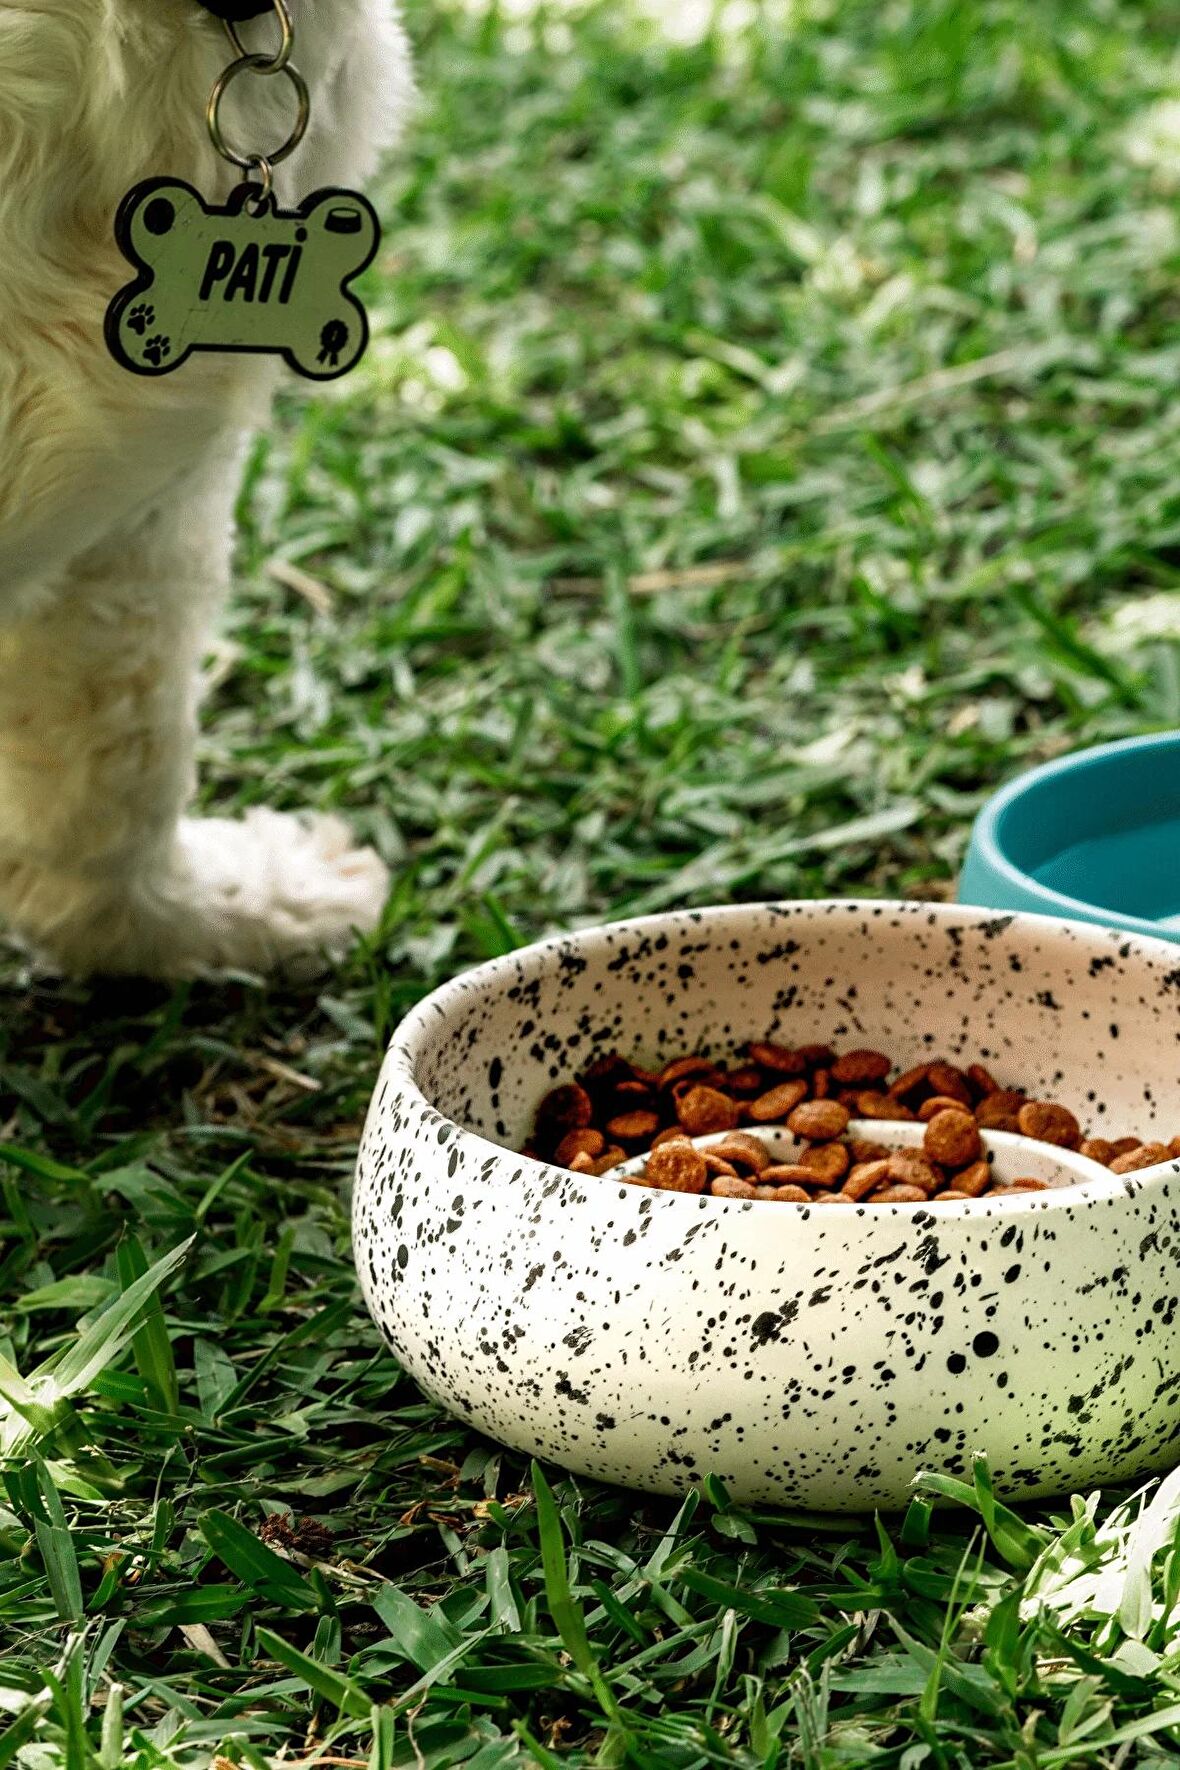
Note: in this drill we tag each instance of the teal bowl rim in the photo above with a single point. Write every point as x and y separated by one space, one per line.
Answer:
987 835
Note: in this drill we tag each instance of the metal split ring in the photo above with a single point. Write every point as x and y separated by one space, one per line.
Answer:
257 64
275 64
266 178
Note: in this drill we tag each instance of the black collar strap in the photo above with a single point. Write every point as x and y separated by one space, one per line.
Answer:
236 10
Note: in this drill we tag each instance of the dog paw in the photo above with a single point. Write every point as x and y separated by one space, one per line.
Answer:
157 348
273 892
141 317
260 893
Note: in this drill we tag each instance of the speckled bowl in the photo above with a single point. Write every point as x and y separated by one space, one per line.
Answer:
815 1357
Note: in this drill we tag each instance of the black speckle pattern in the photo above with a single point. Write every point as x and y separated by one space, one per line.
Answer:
814 1357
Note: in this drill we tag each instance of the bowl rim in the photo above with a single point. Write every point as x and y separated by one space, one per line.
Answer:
422 1021
987 835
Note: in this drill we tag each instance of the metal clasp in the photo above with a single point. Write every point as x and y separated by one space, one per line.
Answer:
251 63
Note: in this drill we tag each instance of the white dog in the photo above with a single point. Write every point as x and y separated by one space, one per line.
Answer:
116 492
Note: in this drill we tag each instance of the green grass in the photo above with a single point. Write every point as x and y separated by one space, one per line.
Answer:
768 446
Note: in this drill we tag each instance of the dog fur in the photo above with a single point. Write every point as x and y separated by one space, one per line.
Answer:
116 493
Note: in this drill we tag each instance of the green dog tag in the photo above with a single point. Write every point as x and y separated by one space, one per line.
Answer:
243 276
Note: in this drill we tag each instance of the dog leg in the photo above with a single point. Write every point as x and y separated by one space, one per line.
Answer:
100 870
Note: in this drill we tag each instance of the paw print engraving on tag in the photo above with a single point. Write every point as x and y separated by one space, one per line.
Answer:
141 317
156 349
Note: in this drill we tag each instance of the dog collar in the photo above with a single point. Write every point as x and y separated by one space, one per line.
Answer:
235 10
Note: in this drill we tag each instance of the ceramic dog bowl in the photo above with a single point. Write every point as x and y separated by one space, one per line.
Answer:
1094 836
812 1356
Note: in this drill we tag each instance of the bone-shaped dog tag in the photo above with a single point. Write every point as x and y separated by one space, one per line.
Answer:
242 276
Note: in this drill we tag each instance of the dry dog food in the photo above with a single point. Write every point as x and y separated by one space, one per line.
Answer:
617 1110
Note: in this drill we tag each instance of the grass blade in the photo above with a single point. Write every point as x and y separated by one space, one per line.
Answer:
255 1564
339 1691
563 1608
779 1609
150 1346
102 1342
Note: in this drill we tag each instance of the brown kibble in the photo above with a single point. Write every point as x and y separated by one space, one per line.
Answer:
685 1067
717 1164
789 1174
712 1078
633 1127
952 1138
777 1058
1002 1121
744 1082
594 1123
870 1105
605 1073
677 1167
997 1112
819 1121
1049 1123
856 1069
830 1162
910 1082
864 1178
563 1109
629 1095
1174 1148
1146 1156
703 1109
588 1142
862 1150
778 1103
944 1078
973 1180
939 1103
743 1150
730 1186
909 1167
982 1081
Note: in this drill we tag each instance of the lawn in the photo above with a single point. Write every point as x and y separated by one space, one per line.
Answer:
767 447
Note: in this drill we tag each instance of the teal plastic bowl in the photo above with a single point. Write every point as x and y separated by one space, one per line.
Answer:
1094 837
